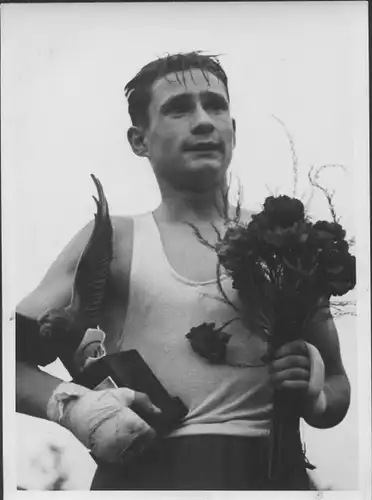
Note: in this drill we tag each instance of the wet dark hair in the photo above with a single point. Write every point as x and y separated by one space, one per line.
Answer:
139 90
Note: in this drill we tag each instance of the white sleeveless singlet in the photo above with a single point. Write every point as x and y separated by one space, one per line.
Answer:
162 308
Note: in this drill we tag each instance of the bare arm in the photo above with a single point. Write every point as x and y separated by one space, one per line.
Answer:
34 386
323 335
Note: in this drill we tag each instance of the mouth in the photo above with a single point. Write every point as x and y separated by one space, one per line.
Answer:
205 147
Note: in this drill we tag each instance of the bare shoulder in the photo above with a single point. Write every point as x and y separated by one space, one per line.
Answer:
122 253
122 230
122 235
121 223
55 288
70 255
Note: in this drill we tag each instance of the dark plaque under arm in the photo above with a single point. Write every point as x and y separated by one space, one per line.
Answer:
69 328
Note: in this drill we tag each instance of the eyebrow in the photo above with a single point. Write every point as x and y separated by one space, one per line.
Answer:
187 97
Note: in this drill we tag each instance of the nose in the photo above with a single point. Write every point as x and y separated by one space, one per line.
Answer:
202 122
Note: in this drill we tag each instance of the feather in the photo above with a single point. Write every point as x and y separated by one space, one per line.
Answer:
93 269
63 329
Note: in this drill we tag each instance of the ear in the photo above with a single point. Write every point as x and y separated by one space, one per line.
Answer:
137 140
234 136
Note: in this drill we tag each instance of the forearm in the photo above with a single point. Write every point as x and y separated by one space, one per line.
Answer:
33 389
337 395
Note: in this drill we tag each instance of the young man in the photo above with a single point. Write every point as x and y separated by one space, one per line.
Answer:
162 283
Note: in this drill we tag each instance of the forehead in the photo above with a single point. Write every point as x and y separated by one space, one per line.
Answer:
191 81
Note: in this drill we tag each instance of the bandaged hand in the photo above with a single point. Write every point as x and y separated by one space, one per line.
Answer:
298 367
103 420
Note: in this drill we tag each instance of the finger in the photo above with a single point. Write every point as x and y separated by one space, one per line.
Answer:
142 400
291 361
295 347
266 358
138 446
293 374
117 431
123 395
294 385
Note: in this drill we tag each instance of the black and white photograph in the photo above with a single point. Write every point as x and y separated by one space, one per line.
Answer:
185 236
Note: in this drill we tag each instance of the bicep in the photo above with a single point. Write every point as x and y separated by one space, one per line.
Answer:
323 334
55 289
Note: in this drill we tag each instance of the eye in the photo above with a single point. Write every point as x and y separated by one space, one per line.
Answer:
216 104
179 108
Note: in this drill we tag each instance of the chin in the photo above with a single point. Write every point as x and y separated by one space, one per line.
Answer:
205 177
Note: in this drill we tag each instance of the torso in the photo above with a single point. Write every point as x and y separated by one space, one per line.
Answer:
186 255
173 289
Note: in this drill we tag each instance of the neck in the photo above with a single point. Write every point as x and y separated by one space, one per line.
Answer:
182 205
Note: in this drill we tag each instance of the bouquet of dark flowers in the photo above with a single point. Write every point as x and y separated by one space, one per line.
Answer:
286 269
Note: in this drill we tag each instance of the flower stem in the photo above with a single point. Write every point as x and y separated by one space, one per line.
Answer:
199 236
227 323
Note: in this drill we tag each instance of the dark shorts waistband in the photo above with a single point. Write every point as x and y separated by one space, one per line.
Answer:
199 462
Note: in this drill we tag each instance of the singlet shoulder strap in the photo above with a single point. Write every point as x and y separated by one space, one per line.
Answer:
123 244
137 243
147 245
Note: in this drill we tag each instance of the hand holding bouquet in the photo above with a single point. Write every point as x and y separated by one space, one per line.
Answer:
286 269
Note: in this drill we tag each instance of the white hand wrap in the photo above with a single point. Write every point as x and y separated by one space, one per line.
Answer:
101 420
317 401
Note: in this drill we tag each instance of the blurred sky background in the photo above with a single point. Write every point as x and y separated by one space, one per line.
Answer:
64 116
